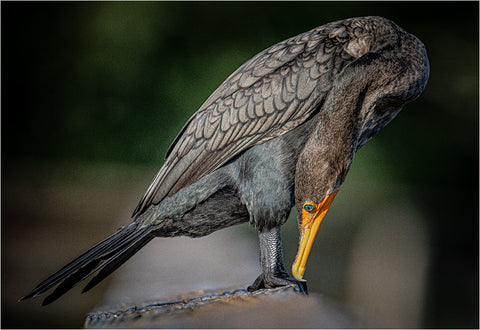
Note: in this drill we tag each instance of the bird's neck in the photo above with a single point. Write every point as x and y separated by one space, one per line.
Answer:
326 158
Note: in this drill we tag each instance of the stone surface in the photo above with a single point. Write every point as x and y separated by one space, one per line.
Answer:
271 308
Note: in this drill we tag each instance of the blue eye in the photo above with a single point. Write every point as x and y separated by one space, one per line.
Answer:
308 207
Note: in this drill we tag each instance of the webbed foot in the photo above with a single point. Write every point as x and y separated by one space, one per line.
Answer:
273 280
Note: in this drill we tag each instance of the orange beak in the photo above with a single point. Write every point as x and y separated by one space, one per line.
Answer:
311 221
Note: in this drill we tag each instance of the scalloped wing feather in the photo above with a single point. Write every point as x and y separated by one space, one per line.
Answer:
269 95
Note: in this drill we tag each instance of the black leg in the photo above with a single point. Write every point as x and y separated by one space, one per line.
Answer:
271 260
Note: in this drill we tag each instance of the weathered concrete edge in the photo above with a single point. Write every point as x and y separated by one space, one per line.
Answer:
115 317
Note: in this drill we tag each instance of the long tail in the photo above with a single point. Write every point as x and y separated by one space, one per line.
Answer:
104 257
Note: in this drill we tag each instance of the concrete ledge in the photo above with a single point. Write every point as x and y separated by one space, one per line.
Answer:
281 307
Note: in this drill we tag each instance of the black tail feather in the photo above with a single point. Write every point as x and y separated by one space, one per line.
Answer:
70 282
116 261
93 260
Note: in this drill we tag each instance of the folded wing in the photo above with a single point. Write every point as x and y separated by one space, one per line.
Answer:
269 95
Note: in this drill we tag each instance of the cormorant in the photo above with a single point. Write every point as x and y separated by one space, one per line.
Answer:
282 130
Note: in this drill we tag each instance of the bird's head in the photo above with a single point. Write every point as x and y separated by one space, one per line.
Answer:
311 216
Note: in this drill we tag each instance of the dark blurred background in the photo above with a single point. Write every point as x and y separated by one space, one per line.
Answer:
94 92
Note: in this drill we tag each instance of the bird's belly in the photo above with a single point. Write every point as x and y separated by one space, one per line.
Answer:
223 209
264 177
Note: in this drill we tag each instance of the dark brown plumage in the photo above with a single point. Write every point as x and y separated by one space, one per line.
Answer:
283 129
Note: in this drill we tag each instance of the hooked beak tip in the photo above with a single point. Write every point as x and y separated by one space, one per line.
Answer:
298 273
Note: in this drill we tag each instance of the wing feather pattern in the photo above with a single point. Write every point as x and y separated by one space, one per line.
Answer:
272 93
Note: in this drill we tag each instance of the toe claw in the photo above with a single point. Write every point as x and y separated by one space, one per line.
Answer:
268 281
258 284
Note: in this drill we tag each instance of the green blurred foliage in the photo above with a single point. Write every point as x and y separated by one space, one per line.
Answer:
116 81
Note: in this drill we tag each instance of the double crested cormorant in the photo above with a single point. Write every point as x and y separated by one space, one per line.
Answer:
282 130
